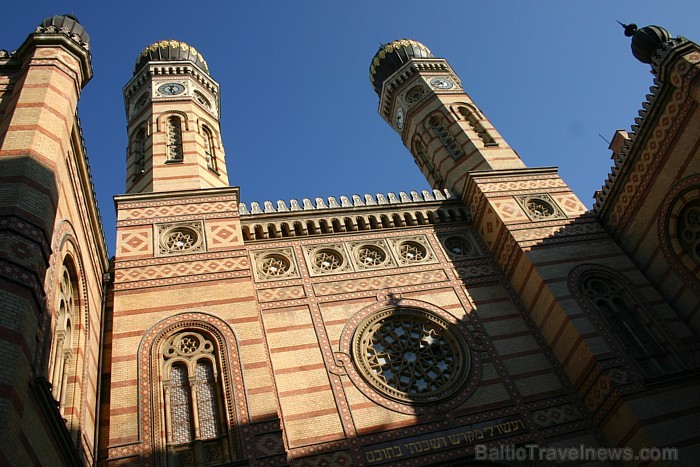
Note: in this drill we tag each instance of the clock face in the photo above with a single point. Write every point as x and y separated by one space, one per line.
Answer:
171 89
400 118
441 83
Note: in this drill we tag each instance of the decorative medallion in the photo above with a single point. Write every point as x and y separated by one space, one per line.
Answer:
181 238
411 250
540 207
327 259
274 264
199 97
414 94
411 355
459 247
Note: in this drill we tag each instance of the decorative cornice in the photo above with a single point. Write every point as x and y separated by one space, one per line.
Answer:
345 202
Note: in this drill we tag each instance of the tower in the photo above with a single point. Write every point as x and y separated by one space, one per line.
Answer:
608 327
437 121
172 107
52 252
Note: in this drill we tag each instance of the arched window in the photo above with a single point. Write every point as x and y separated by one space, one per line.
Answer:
629 322
474 119
439 127
689 230
423 161
192 391
174 137
209 149
138 152
62 349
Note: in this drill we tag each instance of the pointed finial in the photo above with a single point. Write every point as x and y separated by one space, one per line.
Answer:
630 29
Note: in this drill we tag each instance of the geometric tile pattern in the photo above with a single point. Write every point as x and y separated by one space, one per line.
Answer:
133 243
280 293
379 282
181 269
555 415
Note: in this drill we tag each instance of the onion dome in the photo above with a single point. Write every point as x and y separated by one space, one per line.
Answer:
170 50
393 56
67 24
645 41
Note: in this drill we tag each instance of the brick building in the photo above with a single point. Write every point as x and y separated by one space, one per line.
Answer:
398 329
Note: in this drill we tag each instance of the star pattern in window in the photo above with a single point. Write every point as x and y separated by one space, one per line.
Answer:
689 230
180 240
411 355
458 246
412 252
539 209
414 94
327 260
274 265
370 256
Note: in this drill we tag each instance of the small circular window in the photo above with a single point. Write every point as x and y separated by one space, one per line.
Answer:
370 256
458 246
273 265
414 94
411 355
412 252
327 260
539 208
180 239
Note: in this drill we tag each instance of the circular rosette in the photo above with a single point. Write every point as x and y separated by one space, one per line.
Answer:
411 355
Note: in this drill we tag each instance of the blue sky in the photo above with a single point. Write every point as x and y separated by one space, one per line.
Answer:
299 117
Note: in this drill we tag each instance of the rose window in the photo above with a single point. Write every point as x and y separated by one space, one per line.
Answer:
689 230
370 256
411 355
327 260
539 209
457 246
180 239
412 252
274 266
414 94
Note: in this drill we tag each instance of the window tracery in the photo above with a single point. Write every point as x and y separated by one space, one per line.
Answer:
139 152
192 392
412 252
209 149
174 140
411 355
629 321
63 336
439 127
689 230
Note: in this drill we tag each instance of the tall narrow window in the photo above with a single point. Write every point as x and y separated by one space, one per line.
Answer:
192 391
209 149
423 161
630 323
439 127
63 337
139 152
174 140
472 117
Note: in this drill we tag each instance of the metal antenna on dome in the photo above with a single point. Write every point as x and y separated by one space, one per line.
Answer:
630 29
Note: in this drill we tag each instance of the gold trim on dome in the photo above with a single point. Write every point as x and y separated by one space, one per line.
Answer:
389 48
164 44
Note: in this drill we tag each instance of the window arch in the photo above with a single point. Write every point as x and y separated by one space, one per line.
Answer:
174 139
192 394
422 160
472 116
138 152
62 347
627 318
209 152
688 230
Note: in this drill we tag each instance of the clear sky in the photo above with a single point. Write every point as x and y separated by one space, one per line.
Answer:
299 117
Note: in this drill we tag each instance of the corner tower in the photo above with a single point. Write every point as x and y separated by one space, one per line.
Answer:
172 109
422 98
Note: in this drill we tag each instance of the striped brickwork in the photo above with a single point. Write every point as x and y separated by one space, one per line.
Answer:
655 176
323 400
48 214
538 258
153 292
